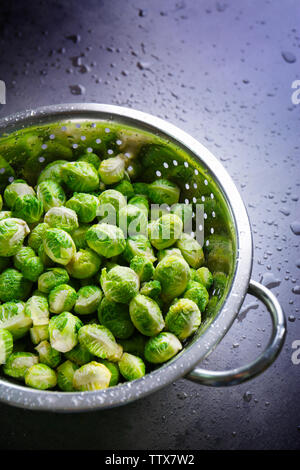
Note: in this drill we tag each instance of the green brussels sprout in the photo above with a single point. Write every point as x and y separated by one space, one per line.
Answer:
116 318
126 188
84 264
18 363
40 376
47 262
79 235
162 347
158 211
219 254
37 308
90 158
169 251
111 202
80 355
35 239
185 212
141 202
62 298
114 370
191 251
163 191
138 245
51 194
28 208
151 289
134 345
204 276
219 284
143 267
23 253
80 176
141 189
112 170
14 190
12 234
13 285
120 284
198 293
146 315
62 218
6 345
92 376
88 300
48 355
63 331
51 278
5 215
52 172
59 246
39 333
100 342
133 221
165 231
173 273
85 206
28 263
132 367
183 318
65 373
107 240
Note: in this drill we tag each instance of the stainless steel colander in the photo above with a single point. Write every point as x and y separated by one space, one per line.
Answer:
72 128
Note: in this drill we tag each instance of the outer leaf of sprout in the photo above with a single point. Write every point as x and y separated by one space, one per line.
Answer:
12 234
59 246
13 285
6 345
63 331
106 240
80 176
173 273
78 236
40 376
115 371
88 300
131 367
52 278
62 298
146 315
51 194
65 374
39 333
28 208
183 318
164 231
84 264
52 172
100 342
120 284
48 355
198 293
151 289
204 276
85 206
162 347
37 309
92 376
15 189
62 218
143 267
191 251
18 363
163 191
116 318
112 170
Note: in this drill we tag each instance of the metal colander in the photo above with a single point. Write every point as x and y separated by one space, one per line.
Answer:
153 149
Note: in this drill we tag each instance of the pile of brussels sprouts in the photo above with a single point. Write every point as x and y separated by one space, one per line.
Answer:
90 304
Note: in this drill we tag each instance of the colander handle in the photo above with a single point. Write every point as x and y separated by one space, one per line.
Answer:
268 356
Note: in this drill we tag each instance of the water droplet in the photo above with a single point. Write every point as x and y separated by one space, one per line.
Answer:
295 227
77 89
298 263
289 57
296 290
143 65
292 318
74 37
269 280
247 396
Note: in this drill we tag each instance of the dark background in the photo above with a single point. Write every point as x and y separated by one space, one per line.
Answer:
223 72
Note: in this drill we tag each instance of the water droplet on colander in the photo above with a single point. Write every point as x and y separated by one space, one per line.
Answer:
295 227
292 318
284 211
143 65
298 263
74 38
77 89
296 290
270 281
247 396
289 57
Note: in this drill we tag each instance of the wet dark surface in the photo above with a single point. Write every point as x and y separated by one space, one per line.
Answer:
222 71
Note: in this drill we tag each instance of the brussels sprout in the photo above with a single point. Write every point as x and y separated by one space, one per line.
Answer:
138 245
65 373
84 264
39 333
15 189
90 158
185 212
133 220
112 170
134 345
40 376
162 347
116 318
126 188
37 309
191 251
12 234
62 298
120 284
219 284
80 355
92 376
48 355
164 231
219 254
169 251
63 331
23 253
131 367
51 194
173 273
46 261
78 236
88 300
85 206
183 318
100 342
107 240
51 278
114 370
13 285
5 215
28 208
143 267
18 363
62 218
141 202
146 315
163 192
80 176
151 289
111 202
204 276
28 263
35 239
6 345
198 293
59 246
52 172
